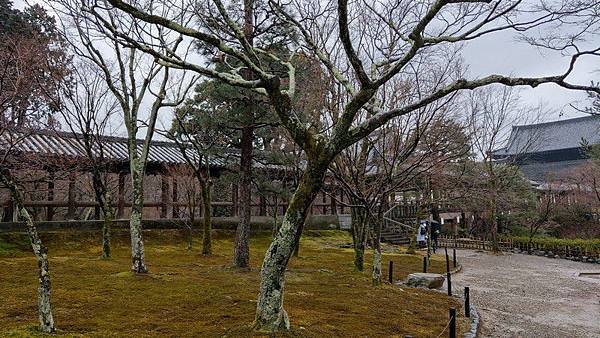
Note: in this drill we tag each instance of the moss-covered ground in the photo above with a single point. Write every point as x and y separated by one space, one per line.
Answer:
187 294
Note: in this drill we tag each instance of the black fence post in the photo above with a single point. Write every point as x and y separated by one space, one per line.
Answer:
452 326
449 278
424 264
447 262
467 303
391 272
454 257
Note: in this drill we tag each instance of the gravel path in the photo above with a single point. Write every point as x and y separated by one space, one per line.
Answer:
528 296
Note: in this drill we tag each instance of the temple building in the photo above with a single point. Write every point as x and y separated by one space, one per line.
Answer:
550 150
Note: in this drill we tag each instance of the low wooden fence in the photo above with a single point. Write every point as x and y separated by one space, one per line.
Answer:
585 253
472 243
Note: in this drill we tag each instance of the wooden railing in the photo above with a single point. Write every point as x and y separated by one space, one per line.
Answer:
472 243
583 254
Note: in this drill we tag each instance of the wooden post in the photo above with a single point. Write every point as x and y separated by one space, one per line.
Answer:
449 278
175 198
50 209
454 258
333 202
71 197
452 326
424 264
391 273
121 195
164 203
97 212
262 206
467 303
8 212
447 261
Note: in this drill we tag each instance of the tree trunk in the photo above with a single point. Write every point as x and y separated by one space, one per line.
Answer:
376 276
241 256
104 201
45 316
207 223
106 225
190 237
360 232
190 228
494 224
270 315
138 263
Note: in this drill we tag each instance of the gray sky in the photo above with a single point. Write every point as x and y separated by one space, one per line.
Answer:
500 53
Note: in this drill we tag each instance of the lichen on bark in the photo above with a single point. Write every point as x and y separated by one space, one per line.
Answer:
46 319
270 314
138 263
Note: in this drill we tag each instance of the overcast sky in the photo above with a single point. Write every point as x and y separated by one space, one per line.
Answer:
501 53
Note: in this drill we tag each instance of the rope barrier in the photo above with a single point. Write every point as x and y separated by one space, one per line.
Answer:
445 328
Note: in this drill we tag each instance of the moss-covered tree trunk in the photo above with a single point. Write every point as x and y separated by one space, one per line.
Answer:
207 222
376 275
106 226
45 316
270 314
104 201
138 262
360 232
241 255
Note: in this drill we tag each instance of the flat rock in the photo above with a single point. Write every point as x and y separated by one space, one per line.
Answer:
425 280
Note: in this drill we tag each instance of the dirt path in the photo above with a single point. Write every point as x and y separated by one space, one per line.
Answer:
529 296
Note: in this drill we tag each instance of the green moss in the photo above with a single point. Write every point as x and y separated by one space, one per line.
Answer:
12 245
187 294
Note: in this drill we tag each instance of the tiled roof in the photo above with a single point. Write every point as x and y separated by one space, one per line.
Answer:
548 171
551 136
115 148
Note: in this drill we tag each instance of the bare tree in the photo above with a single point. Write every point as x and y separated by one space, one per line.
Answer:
130 76
407 35
87 107
186 178
33 64
197 143
492 112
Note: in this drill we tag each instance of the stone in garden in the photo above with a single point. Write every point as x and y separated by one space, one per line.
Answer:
425 280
